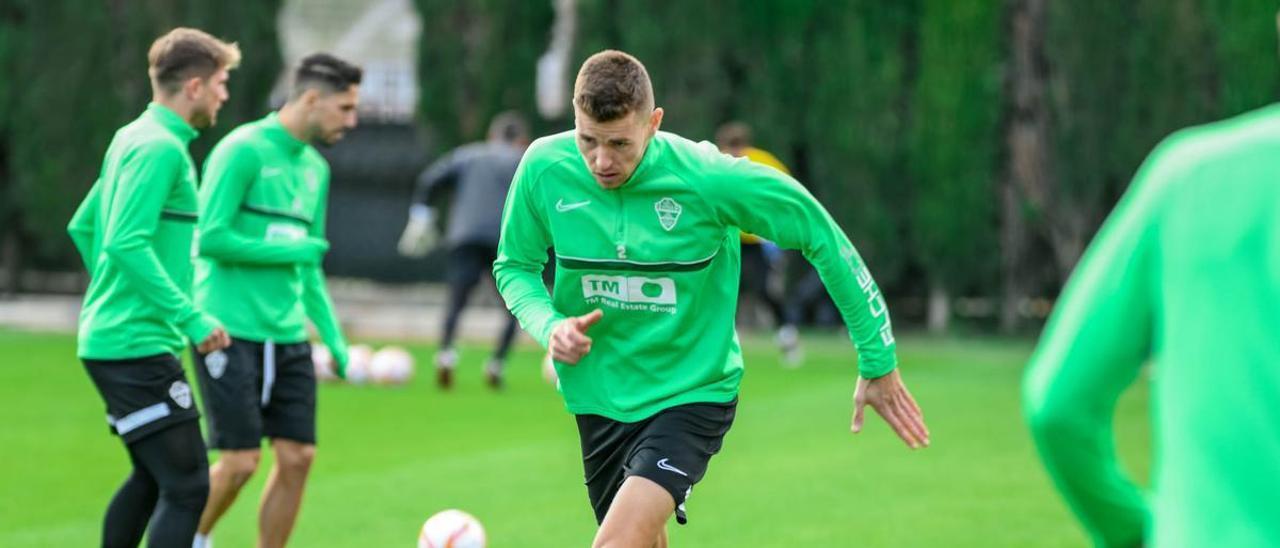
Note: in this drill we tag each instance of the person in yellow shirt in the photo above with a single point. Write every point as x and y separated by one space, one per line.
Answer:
734 139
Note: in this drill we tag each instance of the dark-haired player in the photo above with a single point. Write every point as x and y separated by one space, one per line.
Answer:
262 220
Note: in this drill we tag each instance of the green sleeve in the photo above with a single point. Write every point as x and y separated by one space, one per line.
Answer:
143 185
762 200
315 296
522 255
1095 343
83 225
228 174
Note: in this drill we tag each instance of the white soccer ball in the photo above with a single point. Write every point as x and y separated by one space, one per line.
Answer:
452 529
322 359
358 360
391 365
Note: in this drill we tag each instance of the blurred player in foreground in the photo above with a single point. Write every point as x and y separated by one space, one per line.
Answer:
1185 273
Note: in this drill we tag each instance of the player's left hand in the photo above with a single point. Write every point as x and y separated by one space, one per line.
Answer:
890 398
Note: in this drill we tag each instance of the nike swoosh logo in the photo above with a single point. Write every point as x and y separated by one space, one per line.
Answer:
563 207
662 463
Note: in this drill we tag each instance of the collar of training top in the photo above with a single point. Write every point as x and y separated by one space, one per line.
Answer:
172 122
276 131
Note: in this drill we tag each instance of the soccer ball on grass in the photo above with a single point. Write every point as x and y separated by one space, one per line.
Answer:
451 529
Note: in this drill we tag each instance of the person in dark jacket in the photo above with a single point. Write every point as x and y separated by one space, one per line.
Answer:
479 175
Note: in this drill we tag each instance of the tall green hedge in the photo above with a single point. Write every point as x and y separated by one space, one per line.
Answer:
893 113
76 70
955 144
477 58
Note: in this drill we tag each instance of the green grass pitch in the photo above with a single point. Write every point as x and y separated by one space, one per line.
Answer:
790 473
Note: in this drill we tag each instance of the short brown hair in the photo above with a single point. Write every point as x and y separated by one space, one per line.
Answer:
184 53
612 84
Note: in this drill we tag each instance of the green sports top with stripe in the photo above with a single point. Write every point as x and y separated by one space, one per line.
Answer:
262 222
134 232
1185 273
660 257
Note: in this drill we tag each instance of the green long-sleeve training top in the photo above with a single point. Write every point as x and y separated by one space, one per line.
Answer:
262 223
134 232
660 256
1185 274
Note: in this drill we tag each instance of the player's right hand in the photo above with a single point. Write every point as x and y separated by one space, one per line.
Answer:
891 399
217 340
339 356
569 340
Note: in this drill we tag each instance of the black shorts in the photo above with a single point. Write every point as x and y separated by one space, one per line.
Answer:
143 395
253 390
671 448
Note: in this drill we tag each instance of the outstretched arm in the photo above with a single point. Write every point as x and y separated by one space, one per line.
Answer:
762 200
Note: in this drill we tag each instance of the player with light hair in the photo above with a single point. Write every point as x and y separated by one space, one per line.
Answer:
134 231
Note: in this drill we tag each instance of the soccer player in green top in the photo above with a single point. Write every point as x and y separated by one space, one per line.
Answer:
1185 273
645 228
134 232
262 222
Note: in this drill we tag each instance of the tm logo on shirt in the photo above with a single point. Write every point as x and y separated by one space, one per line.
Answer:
285 232
630 292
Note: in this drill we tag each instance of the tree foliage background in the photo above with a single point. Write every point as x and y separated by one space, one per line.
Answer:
905 118
73 72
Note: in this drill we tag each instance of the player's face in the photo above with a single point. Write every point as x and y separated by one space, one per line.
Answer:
332 115
612 150
208 95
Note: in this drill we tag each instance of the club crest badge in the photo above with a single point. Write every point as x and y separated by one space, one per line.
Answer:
668 212
216 363
181 394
